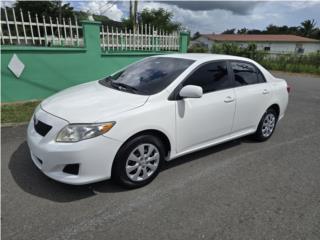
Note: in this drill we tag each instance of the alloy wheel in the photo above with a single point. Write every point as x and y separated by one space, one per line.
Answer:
268 125
142 162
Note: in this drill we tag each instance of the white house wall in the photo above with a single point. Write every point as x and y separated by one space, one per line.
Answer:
275 47
289 47
311 47
278 48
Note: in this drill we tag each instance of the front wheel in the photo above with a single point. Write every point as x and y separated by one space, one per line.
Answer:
138 161
266 126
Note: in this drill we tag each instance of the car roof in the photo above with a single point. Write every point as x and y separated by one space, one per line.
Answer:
204 56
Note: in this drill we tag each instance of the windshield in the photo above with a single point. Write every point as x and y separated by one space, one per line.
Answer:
151 75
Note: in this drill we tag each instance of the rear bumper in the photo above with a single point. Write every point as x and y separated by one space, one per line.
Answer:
94 156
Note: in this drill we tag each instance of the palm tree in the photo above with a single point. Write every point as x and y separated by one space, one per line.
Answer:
308 27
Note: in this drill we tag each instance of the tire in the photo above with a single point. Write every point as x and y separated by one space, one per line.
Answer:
266 125
132 169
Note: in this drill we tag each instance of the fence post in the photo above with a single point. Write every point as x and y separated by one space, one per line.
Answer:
91 36
184 41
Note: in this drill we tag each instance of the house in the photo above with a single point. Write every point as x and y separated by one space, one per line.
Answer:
274 44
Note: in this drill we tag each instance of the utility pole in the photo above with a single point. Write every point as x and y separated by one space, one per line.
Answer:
135 11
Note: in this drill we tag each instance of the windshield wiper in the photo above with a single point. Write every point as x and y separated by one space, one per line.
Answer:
123 86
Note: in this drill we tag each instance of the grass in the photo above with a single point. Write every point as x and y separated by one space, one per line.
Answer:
17 112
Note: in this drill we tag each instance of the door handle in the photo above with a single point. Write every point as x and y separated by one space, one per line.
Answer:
265 91
228 99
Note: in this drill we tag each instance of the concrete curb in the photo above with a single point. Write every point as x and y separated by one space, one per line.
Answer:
4 125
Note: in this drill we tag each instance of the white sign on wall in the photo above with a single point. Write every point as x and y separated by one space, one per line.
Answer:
16 66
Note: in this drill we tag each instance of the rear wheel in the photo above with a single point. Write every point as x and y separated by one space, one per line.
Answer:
138 161
267 125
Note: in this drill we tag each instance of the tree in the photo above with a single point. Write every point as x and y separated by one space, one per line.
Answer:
242 31
54 9
229 31
160 18
196 35
272 29
308 27
254 31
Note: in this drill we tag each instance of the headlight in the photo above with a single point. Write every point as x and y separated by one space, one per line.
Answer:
78 132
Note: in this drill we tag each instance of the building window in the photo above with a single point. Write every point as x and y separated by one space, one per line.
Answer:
300 50
267 49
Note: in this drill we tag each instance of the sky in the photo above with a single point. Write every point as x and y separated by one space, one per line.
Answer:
216 16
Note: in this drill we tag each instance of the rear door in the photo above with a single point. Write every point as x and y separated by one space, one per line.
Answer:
253 94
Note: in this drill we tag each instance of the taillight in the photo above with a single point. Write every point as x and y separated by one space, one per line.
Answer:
288 88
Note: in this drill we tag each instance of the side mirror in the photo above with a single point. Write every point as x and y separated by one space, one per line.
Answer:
191 91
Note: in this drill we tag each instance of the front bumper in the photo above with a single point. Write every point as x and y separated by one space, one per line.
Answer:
94 156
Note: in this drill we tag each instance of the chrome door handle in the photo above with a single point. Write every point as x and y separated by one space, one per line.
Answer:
228 99
265 91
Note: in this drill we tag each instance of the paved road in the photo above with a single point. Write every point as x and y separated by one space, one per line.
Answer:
240 190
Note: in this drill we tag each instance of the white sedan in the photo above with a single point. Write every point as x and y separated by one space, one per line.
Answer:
126 125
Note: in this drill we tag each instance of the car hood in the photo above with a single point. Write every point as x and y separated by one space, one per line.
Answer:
91 102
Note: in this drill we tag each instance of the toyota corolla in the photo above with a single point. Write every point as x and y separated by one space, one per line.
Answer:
126 125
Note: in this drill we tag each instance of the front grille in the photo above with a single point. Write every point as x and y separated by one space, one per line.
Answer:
41 127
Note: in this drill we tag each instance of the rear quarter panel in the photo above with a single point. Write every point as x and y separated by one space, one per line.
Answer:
280 94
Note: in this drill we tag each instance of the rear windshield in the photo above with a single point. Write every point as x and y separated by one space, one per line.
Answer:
151 75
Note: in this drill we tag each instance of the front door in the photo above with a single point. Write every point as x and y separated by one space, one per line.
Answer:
201 120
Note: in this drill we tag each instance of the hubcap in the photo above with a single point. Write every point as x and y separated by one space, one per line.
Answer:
268 124
142 162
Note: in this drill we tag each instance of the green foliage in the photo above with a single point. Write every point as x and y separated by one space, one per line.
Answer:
53 9
160 18
198 49
308 63
229 31
45 8
308 27
232 49
242 31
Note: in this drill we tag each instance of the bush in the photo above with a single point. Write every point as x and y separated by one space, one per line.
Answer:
198 49
232 49
307 63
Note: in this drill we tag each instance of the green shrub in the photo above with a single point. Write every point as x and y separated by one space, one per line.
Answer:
307 63
232 49
198 49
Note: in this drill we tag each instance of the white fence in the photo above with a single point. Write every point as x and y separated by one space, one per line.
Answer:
144 38
34 31
38 32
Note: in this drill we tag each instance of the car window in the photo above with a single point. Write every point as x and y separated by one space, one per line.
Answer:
261 78
211 77
246 74
151 75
